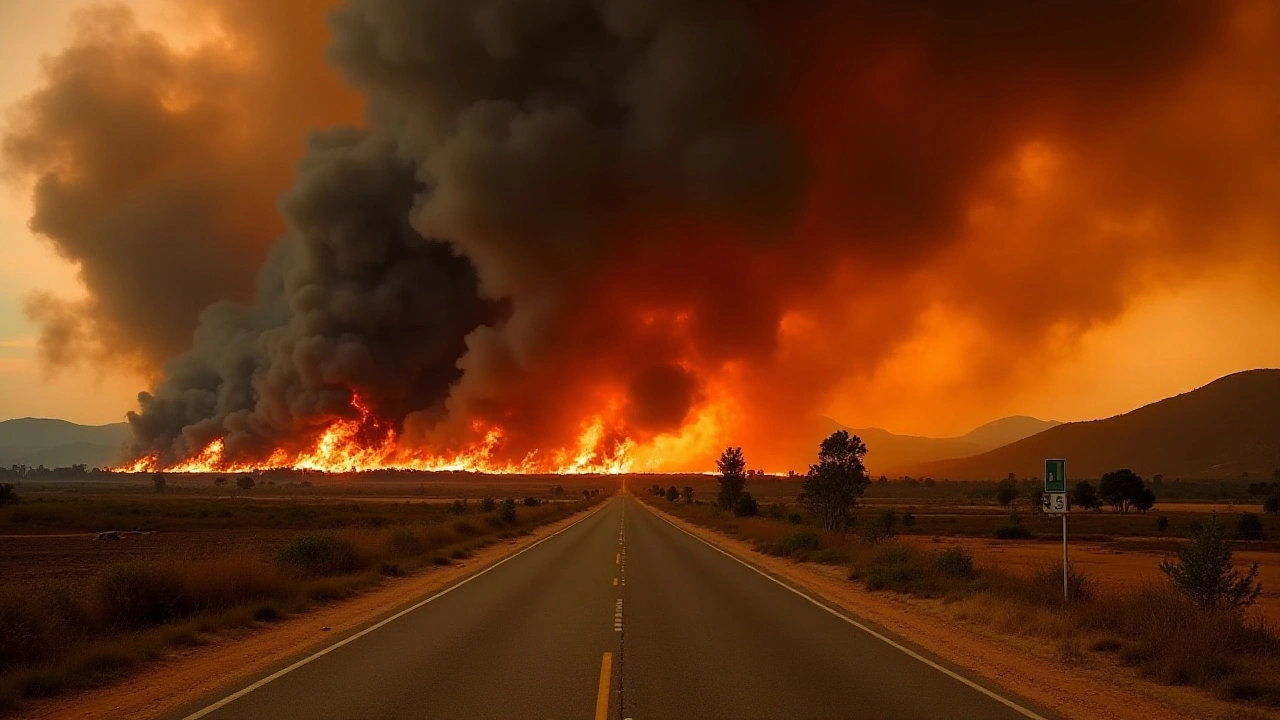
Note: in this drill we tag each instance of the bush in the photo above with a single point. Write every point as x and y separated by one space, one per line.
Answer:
507 511
1012 531
908 519
532 501
1249 527
405 542
7 495
1162 523
746 506
880 528
459 507
488 504
954 562
1271 506
1204 573
320 556
797 541
795 518
896 568
775 511
137 594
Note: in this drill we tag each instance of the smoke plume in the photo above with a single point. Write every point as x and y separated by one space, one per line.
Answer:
678 222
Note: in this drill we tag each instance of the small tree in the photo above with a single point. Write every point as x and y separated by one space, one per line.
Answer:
832 487
1203 571
532 501
1124 490
687 494
1162 523
244 482
673 493
7 495
1085 496
746 506
507 511
733 477
1249 527
1007 491
488 504
1272 505
220 482
159 482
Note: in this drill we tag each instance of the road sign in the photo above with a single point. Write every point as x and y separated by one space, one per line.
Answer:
1054 503
1055 476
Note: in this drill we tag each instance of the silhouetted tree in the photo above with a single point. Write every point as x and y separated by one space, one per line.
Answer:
1249 527
7 495
507 511
1272 505
220 481
733 476
488 504
1085 496
832 487
1007 491
673 493
1204 571
687 494
244 482
1124 489
1162 523
746 506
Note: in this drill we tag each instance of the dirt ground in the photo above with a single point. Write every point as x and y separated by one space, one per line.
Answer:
1120 563
1027 666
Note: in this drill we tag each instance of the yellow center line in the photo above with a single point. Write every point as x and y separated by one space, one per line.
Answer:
602 697
615 582
618 559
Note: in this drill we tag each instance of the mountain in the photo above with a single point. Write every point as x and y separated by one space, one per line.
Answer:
58 443
887 451
1224 429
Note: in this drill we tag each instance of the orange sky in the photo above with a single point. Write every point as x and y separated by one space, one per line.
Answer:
1175 329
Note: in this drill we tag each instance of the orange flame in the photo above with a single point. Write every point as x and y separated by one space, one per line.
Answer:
367 444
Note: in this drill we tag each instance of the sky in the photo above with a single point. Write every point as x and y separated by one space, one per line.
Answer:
1176 318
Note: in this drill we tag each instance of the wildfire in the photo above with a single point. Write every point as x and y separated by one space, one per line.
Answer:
366 443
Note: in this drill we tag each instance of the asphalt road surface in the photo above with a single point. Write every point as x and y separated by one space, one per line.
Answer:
621 615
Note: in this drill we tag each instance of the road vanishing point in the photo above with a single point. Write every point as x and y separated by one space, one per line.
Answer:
620 615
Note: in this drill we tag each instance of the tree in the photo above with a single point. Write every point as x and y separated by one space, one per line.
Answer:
832 487
687 494
1007 491
220 481
488 504
7 495
1272 505
1085 496
1124 489
1162 523
532 501
507 511
733 477
557 491
673 493
1203 571
746 506
159 482
244 482
1249 527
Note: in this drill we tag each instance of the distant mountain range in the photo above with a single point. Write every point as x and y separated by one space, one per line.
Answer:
1222 430
887 451
58 443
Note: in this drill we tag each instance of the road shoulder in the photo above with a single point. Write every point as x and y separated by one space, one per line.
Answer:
231 660
1028 667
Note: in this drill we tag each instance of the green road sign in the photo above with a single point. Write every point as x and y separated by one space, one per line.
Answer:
1055 475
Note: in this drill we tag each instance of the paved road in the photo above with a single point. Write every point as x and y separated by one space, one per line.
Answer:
621 615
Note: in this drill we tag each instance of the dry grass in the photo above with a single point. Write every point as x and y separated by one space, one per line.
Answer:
59 636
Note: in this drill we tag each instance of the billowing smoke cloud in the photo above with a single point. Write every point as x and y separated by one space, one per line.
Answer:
691 220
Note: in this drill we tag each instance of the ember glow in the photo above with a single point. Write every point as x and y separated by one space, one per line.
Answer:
366 444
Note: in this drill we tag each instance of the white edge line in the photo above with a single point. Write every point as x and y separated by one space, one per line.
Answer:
893 643
351 638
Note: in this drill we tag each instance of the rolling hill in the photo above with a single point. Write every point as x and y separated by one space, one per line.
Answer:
58 443
886 450
1222 430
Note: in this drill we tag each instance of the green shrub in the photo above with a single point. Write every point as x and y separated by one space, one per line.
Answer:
1204 572
896 568
797 541
320 556
954 562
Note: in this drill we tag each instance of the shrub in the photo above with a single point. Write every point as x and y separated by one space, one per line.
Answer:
138 594
7 495
507 511
1162 523
896 568
1249 527
797 541
795 518
908 519
459 507
1012 532
746 506
880 528
673 493
775 511
488 504
390 569
320 556
532 501
405 542
830 556
954 562
244 482
1271 506
1204 573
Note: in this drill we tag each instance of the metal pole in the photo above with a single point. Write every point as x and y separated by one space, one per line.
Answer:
1065 595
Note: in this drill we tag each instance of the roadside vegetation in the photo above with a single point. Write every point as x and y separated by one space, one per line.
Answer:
1195 628
62 635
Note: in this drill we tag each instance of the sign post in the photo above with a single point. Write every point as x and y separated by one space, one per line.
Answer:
1054 502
